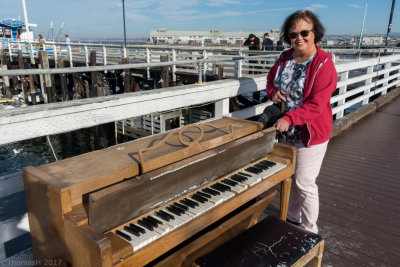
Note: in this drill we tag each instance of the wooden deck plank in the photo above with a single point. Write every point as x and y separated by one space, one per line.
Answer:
358 186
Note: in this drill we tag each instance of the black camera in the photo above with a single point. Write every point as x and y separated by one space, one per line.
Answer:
270 115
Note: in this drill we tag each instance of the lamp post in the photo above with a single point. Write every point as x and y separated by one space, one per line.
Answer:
123 11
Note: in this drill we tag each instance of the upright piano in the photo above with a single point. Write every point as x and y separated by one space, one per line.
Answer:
139 203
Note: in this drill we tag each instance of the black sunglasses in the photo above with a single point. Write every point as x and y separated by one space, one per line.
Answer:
305 33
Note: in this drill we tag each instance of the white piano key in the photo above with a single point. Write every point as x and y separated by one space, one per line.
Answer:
272 170
137 241
236 188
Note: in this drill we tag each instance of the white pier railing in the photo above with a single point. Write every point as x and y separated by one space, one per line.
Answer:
358 82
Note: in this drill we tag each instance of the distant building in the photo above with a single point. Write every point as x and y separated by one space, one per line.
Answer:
370 39
212 37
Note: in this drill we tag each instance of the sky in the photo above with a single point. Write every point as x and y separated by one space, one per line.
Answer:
85 19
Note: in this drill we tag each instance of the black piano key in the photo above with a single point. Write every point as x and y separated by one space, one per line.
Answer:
181 206
244 174
253 170
186 203
218 188
238 178
262 166
182 211
270 163
199 198
163 216
211 192
167 214
123 235
266 164
138 228
191 202
145 225
149 222
131 230
230 182
223 187
154 220
174 210
204 194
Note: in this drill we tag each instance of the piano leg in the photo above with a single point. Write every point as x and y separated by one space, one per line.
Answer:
285 193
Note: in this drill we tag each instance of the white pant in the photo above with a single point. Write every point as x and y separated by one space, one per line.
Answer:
304 200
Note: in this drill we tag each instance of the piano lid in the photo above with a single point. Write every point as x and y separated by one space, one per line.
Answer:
91 171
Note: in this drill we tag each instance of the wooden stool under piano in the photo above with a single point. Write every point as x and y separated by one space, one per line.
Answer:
134 203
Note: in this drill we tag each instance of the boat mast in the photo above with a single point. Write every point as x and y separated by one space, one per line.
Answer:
390 22
26 20
362 28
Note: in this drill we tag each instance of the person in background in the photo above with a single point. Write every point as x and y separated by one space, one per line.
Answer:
67 40
267 43
308 80
41 39
253 42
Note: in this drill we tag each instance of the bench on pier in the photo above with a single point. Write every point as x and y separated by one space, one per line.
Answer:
271 242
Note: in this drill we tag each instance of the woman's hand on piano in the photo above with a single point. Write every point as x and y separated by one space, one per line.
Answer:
282 125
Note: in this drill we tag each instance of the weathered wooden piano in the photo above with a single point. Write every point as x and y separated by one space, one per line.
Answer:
142 201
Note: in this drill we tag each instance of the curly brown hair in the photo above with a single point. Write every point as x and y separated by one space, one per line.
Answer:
308 16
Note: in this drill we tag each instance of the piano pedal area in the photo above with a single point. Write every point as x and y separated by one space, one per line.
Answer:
154 225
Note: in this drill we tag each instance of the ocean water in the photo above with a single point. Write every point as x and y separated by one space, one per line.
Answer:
33 152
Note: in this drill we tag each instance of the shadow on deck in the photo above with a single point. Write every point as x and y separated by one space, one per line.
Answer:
359 187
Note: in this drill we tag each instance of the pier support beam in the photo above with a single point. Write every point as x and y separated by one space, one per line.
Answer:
97 89
127 76
63 81
23 78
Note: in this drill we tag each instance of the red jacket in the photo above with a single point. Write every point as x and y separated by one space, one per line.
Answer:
315 114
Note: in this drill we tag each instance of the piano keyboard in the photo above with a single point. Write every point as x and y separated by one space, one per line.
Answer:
159 223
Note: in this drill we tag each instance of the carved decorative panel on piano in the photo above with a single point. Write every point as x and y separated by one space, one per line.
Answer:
133 203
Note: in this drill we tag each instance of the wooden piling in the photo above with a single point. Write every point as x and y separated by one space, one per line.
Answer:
23 78
77 94
63 81
6 79
220 75
43 86
97 88
164 72
127 76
